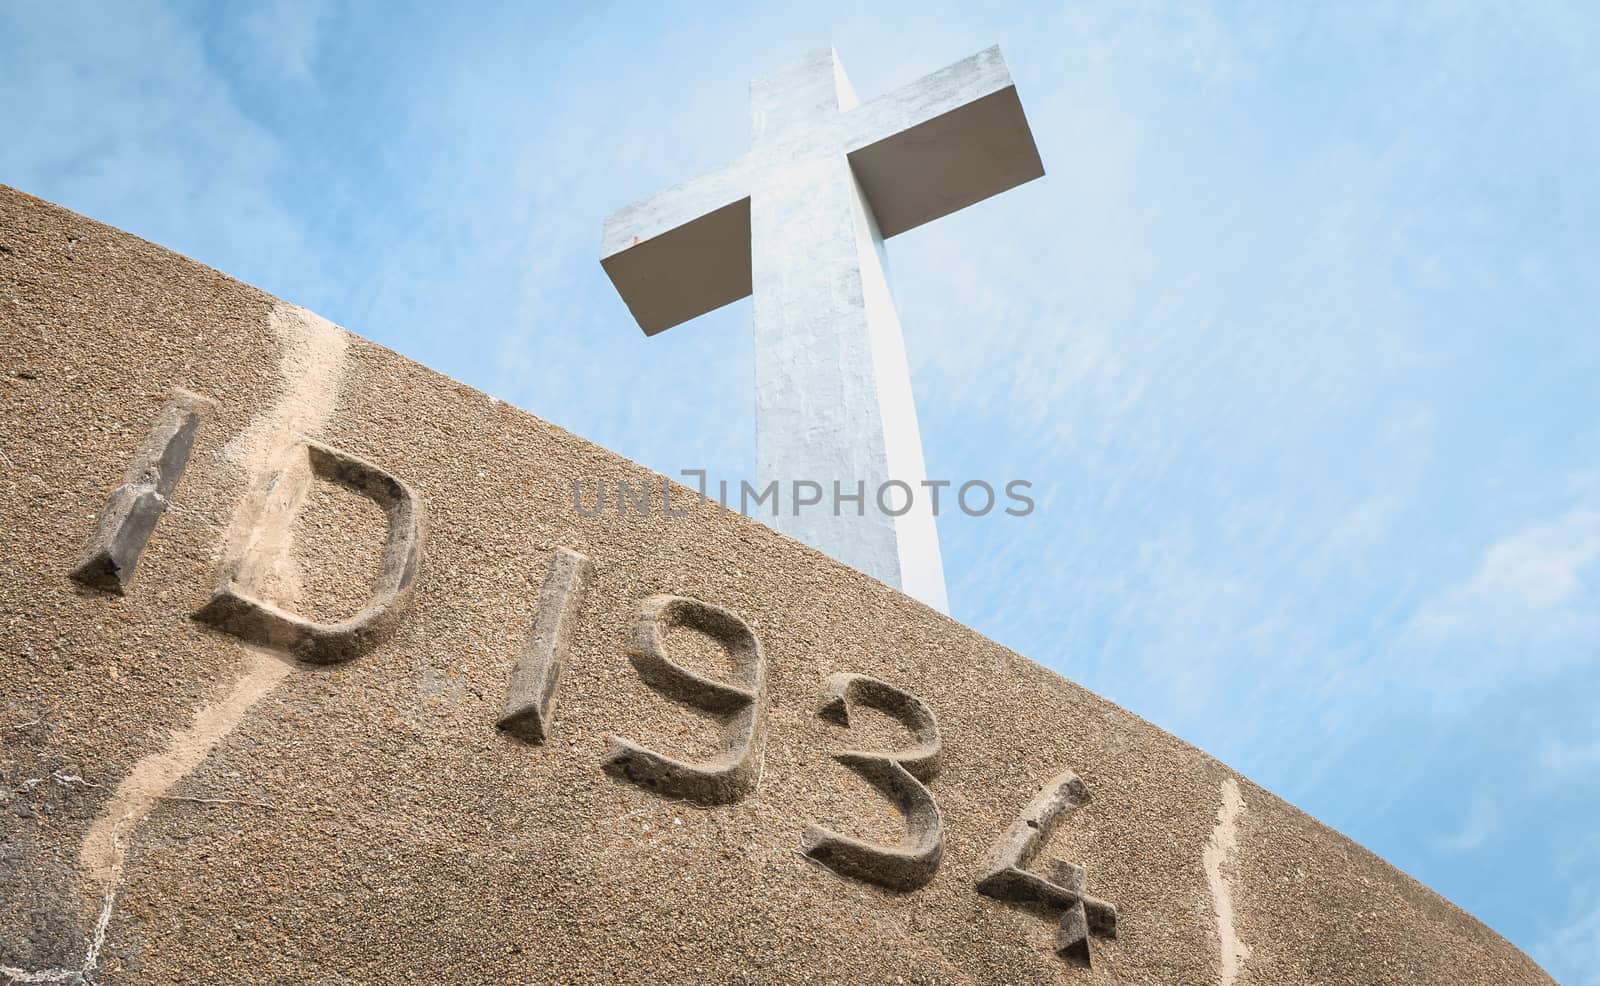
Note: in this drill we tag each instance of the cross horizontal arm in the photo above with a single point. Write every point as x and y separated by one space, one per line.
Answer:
682 252
942 143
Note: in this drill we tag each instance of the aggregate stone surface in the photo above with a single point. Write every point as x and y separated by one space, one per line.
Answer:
365 822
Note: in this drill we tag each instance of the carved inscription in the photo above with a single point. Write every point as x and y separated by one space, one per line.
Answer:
233 609
531 699
132 509
1007 878
727 777
899 776
902 775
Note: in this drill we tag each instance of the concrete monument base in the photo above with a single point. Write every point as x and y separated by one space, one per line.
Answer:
312 673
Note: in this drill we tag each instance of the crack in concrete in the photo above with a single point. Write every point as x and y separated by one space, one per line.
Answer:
91 957
65 780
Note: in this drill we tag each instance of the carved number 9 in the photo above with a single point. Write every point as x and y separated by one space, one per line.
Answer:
729 776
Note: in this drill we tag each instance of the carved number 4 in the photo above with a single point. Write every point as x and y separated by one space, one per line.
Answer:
1007 878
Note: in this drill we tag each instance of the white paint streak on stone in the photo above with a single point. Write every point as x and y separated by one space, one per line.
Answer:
1224 840
103 849
311 367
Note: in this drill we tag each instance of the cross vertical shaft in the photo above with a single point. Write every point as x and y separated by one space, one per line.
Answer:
799 222
833 390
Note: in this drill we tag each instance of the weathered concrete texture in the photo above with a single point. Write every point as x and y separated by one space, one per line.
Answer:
900 775
179 805
905 865
921 757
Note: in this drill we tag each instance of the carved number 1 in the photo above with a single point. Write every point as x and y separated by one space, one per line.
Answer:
131 512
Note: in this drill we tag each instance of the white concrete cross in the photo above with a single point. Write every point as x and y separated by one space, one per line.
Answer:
799 221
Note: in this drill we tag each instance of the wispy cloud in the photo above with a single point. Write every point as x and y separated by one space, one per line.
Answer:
123 116
1572 948
1531 606
1528 575
284 37
1562 759
1480 824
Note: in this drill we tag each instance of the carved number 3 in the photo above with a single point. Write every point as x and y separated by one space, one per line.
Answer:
899 776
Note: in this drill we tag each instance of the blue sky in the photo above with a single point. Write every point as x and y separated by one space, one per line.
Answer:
1296 339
